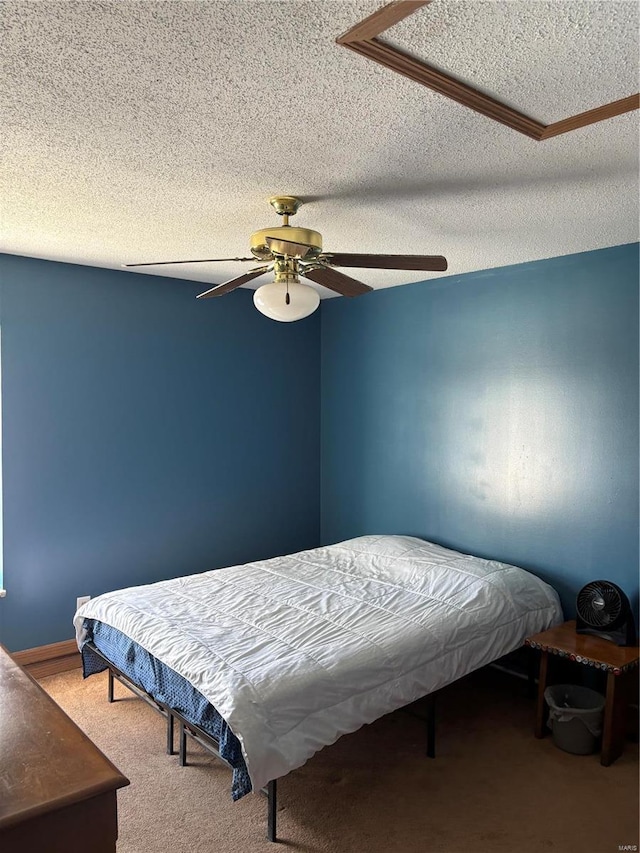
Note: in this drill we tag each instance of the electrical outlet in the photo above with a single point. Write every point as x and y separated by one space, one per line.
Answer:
80 600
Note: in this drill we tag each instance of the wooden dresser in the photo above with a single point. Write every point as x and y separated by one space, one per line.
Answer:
57 790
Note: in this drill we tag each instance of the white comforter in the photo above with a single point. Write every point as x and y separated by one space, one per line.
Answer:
298 650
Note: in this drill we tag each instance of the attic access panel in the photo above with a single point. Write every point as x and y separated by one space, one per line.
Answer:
363 39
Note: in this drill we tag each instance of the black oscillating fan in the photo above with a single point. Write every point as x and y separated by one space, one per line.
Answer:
602 609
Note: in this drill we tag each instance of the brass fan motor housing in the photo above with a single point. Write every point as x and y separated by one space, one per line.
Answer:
261 251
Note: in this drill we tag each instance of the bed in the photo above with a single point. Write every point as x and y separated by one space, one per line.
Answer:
273 660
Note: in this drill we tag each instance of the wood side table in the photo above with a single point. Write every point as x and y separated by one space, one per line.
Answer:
618 662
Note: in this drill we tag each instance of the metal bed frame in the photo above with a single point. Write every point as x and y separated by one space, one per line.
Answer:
210 744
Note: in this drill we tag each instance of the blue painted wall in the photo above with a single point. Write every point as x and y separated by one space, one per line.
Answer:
495 412
145 435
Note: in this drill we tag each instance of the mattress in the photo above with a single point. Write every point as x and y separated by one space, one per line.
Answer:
295 651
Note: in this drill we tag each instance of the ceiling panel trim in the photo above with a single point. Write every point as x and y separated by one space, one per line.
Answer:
363 39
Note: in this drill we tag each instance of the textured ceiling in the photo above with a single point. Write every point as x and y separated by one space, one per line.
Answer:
139 131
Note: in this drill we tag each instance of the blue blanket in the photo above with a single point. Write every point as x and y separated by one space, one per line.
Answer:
167 687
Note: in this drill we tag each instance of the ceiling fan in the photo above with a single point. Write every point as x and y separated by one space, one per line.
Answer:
290 252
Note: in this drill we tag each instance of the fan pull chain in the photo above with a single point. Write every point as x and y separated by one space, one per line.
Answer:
287 298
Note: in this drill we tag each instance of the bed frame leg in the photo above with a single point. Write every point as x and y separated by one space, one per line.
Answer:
272 795
183 744
170 749
532 671
110 686
431 726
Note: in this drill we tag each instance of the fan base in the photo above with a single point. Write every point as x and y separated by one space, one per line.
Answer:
285 205
624 636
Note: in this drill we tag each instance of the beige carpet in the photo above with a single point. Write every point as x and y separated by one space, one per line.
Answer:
493 788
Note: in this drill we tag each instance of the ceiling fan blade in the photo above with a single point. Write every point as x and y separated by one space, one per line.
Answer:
227 286
198 261
285 247
335 280
429 263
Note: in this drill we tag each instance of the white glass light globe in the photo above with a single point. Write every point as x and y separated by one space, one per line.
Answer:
271 300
